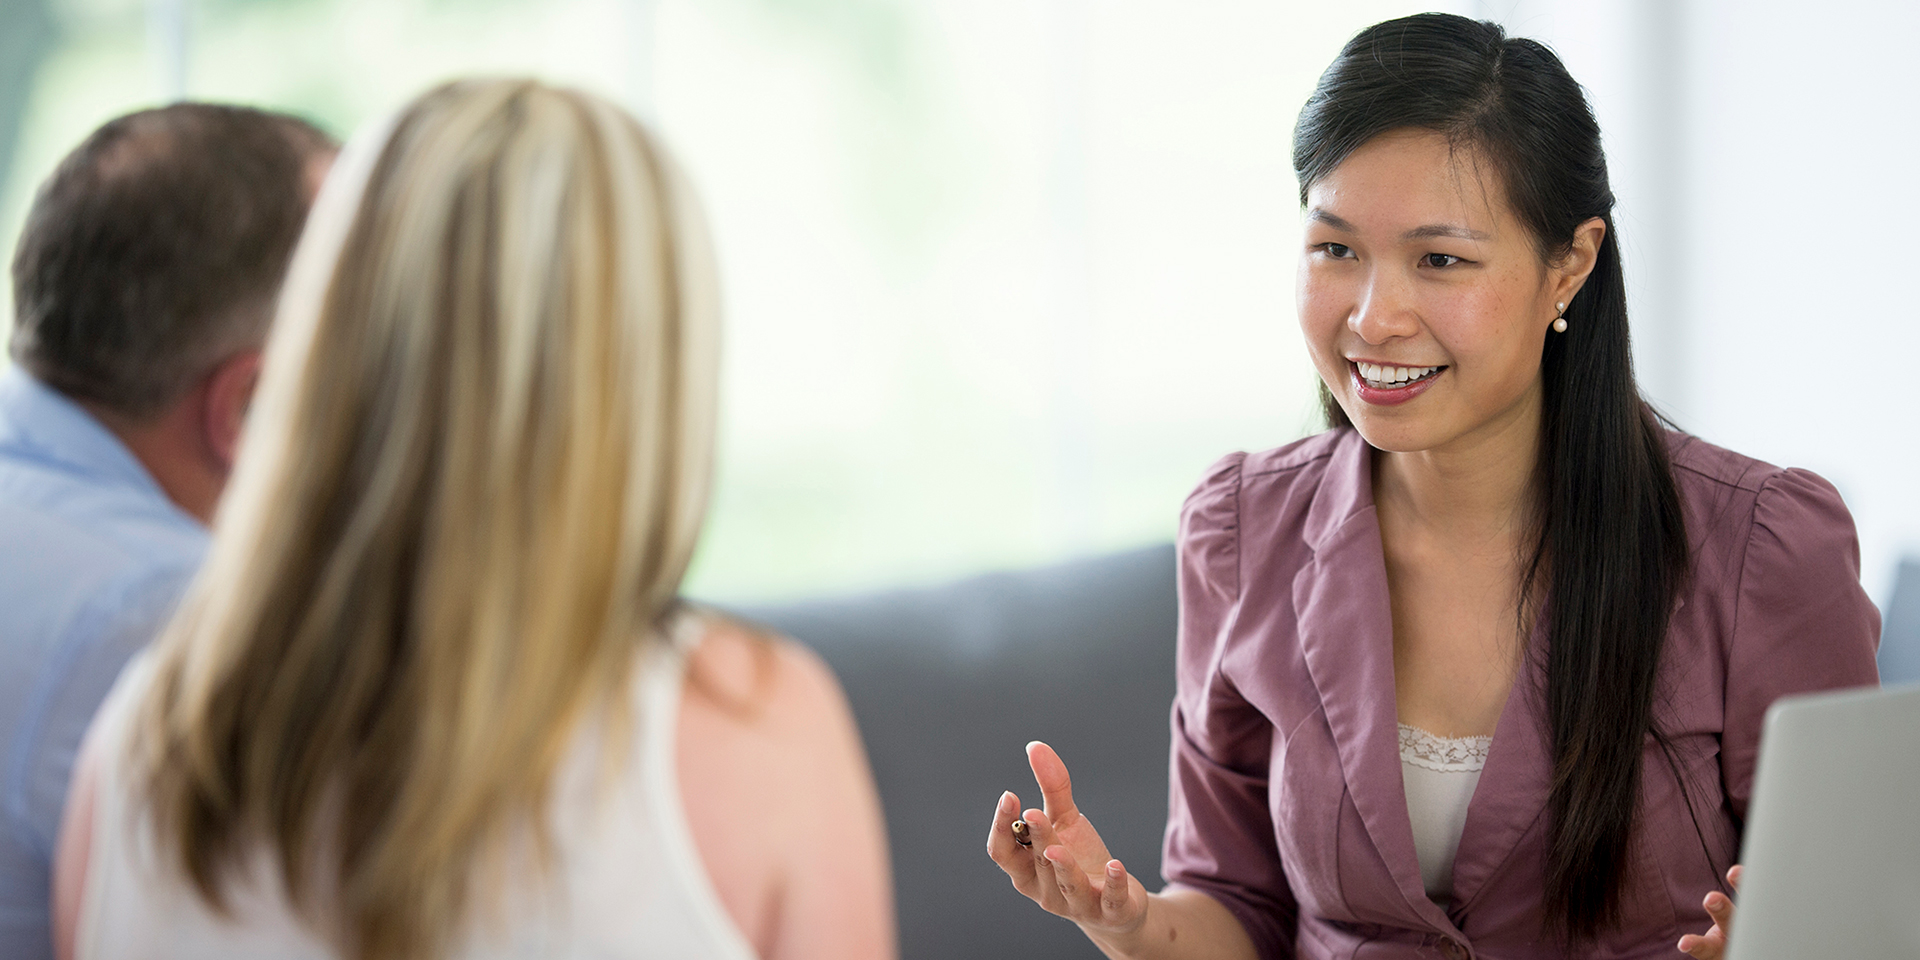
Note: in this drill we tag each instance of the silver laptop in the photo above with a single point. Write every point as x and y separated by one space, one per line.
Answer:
1832 849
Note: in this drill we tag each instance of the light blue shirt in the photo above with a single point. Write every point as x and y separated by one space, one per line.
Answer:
93 559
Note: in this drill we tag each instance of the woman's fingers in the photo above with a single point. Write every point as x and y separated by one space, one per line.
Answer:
1065 890
1720 908
1049 872
1040 831
1102 899
1096 900
1004 850
1046 887
1723 916
1709 947
1056 787
1072 881
1114 892
1713 944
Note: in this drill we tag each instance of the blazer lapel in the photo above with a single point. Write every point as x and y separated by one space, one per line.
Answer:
1346 637
1514 785
1516 782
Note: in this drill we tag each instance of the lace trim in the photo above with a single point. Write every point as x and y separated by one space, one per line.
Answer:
1445 754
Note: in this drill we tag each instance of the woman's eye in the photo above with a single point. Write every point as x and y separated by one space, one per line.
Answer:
1338 251
1439 260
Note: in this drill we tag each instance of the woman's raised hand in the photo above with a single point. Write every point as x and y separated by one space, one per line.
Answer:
1067 870
1713 944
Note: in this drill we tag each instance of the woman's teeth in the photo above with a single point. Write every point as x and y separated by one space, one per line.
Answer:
1388 377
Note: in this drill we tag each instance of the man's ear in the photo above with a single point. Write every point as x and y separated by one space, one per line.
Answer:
229 391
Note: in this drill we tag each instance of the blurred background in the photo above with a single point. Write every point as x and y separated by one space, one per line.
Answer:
1003 277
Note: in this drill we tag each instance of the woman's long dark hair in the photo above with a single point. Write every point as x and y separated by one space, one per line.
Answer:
1610 544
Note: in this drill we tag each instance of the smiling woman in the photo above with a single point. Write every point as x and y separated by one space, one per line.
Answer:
1410 232
1482 667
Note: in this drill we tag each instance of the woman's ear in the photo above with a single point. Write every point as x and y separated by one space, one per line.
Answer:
1582 254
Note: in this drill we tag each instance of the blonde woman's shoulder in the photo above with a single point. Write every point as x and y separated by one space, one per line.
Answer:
780 798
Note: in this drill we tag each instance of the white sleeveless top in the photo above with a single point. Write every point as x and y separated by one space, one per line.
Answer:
1440 775
626 882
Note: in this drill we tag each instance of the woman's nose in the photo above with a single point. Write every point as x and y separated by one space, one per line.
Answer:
1385 310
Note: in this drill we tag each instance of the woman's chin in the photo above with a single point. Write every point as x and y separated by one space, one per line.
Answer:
1395 434
1396 444
1397 418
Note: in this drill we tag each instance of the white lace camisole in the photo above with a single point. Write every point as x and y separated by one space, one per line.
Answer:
1440 774
627 880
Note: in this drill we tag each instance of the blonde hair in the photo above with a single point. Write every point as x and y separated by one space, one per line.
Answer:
470 487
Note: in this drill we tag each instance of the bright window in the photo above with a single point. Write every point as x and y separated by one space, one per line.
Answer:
1002 276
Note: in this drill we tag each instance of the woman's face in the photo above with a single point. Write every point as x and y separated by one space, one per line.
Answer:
1424 300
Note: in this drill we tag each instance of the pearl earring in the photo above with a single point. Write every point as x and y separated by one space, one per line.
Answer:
1560 323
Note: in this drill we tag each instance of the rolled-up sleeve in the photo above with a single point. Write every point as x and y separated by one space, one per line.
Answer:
1220 837
1802 623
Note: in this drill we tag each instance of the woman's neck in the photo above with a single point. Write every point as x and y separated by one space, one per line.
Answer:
1476 489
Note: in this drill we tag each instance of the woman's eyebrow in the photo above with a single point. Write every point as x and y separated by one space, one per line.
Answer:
1444 230
1426 232
1330 220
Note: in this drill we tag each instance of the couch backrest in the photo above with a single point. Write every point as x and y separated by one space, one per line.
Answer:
1900 628
949 683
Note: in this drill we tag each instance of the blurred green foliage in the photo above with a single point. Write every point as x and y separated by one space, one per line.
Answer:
877 35
27 37
905 147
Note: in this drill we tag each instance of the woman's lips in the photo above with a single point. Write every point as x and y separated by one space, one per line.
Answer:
1385 395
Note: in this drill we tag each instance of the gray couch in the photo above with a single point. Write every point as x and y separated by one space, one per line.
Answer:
949 683
1900 628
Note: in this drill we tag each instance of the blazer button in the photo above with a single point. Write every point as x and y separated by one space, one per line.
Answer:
1454 950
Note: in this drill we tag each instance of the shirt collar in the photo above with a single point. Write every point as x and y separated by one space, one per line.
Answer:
40 424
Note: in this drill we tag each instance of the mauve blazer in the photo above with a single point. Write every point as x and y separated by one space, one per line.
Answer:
1286 799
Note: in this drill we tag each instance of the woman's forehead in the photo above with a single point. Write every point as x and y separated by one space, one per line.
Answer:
1409 183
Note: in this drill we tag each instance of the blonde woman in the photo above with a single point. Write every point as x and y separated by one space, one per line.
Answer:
425 700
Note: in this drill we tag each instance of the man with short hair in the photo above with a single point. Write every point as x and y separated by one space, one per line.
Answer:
144 282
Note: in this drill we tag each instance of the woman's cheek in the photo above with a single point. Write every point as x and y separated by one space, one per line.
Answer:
1502 364
1321 320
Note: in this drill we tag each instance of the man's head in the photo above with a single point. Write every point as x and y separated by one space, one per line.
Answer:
146 275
